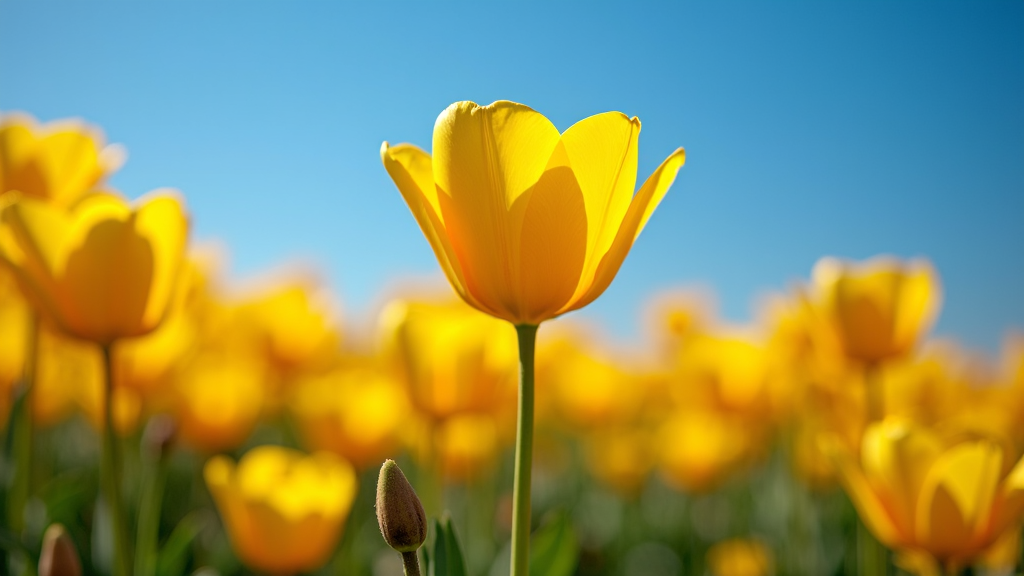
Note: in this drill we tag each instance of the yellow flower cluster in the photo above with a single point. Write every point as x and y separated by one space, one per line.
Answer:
107 311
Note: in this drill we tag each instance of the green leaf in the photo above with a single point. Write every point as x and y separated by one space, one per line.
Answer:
173 557
554 548
447 559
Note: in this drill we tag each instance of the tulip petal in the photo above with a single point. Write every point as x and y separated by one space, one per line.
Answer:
1011 498
554 245
486 159
870 508
956 497
640 210
602 151
920 300
32 239
162 222
410 169
896 457
108 278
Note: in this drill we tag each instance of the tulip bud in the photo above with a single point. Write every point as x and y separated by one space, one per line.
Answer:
59 557
399 511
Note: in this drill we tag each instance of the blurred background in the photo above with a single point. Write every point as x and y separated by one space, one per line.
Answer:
702 417
849 129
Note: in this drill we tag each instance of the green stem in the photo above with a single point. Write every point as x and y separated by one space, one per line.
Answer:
148 532
524 454
412 563
872 556
110 471
22 429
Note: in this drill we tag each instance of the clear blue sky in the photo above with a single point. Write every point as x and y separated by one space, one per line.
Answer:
812 129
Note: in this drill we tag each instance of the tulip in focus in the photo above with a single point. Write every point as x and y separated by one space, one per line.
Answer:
527 223
283 510
925 498
56 163
877 309
102 271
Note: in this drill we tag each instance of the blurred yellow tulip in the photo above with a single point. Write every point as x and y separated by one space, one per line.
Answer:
358 412
920 495
57 162
584 390
466 445
292 323
621 457
877 309
102 271
217 400
740 557
283 510
527 223
452 358
698 449
15 322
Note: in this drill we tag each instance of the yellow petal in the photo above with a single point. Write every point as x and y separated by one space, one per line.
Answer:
410 168
896 458
956 497
485 160
920 300
640 210
554 245
163 223
602 151
870 507
1011 500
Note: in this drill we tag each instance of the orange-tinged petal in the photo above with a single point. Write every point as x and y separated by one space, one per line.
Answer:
640 210
412 172
485 160
602 151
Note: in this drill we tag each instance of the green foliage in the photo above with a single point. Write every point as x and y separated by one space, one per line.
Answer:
554 548
446 558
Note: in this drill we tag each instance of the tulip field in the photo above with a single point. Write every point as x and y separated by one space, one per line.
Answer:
160 418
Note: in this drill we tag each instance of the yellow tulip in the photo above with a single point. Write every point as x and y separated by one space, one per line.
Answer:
920 495
358 412
292 324
527 223
56 163
283 510
101 271
877 309
621 457
467 445
453 359
699 448
15 319
217 400
740 557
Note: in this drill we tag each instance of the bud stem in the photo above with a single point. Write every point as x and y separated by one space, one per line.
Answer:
524 454
412 563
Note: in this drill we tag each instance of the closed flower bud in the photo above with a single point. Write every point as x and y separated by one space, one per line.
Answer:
59 557
399 511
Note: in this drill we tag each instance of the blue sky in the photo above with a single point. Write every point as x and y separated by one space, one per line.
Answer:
811 129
